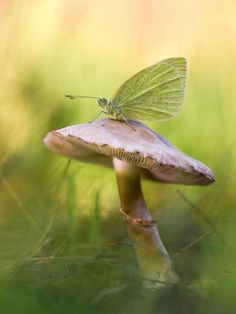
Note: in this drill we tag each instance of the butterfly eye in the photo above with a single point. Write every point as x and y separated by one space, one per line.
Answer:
100 102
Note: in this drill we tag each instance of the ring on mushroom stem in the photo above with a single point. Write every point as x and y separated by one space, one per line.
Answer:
137 221
133 155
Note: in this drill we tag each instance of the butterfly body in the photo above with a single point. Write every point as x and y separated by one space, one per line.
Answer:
111 108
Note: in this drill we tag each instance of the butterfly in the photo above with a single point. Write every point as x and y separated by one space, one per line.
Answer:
154 93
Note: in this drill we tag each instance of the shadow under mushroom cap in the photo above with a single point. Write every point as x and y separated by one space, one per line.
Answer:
158 159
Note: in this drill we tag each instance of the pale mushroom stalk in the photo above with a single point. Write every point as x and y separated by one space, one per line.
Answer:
153 259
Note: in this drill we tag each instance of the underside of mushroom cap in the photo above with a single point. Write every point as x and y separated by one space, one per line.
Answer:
158 159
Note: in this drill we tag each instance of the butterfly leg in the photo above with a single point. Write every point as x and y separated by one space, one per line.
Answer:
99 115
128 122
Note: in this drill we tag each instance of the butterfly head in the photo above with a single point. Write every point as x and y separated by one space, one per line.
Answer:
103 102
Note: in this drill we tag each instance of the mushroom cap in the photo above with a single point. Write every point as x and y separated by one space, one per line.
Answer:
133 142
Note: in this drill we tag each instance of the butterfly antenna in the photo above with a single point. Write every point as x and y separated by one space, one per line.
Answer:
78 96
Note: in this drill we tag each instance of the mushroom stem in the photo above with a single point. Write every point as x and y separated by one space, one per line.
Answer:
153 259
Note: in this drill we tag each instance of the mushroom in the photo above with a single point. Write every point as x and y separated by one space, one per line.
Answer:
134 150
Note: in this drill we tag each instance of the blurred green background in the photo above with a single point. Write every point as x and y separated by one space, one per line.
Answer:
63 245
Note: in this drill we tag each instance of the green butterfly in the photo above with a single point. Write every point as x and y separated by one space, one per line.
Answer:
154 93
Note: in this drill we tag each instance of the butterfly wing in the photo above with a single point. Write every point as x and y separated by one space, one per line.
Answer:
154 93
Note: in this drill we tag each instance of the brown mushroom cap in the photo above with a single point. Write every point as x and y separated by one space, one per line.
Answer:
158 159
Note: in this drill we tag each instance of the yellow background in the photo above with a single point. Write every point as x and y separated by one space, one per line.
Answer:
51 48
